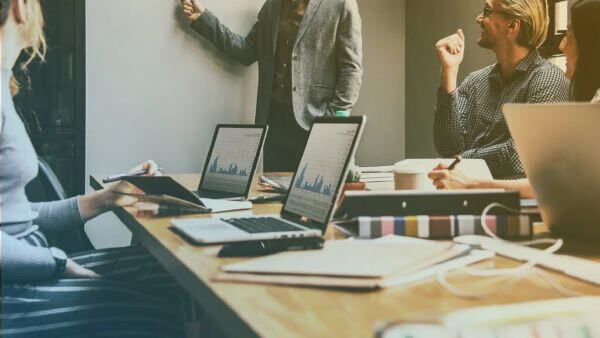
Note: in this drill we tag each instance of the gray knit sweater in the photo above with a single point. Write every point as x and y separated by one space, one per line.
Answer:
21 261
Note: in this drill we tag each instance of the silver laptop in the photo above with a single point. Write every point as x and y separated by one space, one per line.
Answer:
559 145
231 161
310 202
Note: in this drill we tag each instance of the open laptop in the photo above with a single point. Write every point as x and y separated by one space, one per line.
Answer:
310 202
228 171
231 161
559 145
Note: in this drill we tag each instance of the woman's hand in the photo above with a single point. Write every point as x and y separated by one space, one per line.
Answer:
74 270
149 166
115 195
449 179
118 195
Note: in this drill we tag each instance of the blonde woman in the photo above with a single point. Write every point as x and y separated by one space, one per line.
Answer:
581 47
44 292
468 118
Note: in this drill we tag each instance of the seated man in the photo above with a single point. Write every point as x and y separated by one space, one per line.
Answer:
580 47
468 119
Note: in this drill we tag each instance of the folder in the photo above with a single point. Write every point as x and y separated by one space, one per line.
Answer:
349 264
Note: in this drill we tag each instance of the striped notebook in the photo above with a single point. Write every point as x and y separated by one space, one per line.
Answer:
439 227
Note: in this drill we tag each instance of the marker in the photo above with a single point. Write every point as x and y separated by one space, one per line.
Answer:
342 113
268 198
457 160
119 177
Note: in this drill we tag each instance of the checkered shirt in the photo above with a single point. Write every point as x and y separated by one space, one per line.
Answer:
469 121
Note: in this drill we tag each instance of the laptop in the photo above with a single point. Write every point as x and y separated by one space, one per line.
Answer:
559 146
231 161
228 171
314 192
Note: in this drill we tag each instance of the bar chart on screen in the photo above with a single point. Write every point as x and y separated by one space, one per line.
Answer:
233 169
318 186
320 170
232 159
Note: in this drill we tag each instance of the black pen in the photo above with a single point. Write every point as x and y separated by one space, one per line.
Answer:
268 198
457 160
119 177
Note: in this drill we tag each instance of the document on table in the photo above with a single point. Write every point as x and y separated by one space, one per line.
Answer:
360 264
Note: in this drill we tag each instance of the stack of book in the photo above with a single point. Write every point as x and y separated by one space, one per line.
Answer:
437 227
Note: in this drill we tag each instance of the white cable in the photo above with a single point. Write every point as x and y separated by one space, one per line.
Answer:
490 233
556 285
512 275
477 295
509 282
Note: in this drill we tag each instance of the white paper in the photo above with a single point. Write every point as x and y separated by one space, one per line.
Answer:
474 168
377 177
559 61
356 258
561 17
380 169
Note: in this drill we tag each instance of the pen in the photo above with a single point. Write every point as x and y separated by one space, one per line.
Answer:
268 198
457 160
119 177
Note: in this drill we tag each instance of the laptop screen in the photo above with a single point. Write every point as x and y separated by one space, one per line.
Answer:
314 188
232 159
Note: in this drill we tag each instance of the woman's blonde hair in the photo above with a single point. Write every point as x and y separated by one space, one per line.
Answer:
35 32
533 15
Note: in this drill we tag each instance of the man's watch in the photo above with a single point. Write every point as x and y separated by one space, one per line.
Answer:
60 257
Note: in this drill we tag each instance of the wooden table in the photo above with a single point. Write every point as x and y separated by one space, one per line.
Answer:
246 310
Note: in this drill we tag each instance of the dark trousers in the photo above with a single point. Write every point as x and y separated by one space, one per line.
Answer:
285 141
135 297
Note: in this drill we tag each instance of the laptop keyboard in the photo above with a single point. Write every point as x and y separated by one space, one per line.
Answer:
208 194
262 224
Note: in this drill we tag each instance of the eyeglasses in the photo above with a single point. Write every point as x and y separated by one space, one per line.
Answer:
487 12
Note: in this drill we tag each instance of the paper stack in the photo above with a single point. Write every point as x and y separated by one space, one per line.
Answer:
352 264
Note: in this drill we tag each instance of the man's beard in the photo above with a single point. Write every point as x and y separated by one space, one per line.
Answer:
484 42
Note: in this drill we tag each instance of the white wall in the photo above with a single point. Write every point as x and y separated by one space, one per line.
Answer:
155 89
427 21
382 97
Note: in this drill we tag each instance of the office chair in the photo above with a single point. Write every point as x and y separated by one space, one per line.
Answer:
45 188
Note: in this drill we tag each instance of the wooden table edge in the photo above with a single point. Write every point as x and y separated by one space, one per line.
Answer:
219 312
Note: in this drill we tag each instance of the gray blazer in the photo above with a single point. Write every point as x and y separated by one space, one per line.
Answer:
326 61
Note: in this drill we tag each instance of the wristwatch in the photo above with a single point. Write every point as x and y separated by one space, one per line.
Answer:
60 257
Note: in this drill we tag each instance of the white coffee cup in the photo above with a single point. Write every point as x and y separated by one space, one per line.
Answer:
409 178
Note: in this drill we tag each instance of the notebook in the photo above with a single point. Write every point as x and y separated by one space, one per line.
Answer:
437 227
360 264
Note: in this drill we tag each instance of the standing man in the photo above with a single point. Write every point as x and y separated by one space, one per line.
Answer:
468 119
309 55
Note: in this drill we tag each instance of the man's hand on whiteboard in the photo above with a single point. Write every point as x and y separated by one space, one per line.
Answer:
192 9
